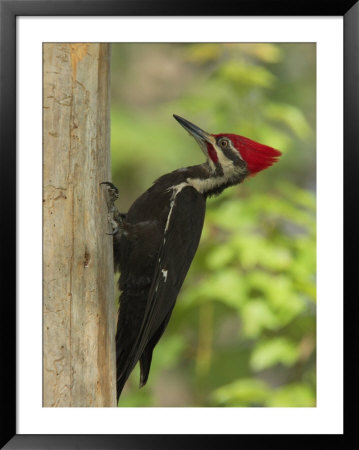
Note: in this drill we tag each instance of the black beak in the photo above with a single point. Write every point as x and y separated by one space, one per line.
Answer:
194 131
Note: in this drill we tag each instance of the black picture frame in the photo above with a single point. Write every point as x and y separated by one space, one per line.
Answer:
9 10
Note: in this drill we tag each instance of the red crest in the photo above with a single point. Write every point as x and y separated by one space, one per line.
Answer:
257 156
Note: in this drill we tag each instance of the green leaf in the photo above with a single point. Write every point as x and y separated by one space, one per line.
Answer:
242 74
290 115
272 352
220 256
256 316
265 52
293 395
242 392
225 286
203 53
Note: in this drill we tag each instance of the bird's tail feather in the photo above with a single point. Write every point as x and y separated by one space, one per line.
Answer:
145 364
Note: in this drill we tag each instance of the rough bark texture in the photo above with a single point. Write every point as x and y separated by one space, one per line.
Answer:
78 310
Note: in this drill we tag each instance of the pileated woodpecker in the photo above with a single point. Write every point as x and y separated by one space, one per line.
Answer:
155 242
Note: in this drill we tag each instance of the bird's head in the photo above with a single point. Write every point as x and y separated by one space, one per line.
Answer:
231 152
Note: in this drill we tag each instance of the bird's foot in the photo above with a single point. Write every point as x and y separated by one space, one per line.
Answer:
114 216
113 194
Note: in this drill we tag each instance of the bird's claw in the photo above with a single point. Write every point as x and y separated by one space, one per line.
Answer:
113 193
115 231
111 185
114 216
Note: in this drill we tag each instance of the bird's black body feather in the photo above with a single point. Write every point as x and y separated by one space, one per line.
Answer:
157 226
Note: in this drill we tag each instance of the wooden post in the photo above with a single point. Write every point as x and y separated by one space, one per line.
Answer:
78 300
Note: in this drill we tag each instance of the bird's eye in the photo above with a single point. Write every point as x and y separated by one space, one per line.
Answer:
223 143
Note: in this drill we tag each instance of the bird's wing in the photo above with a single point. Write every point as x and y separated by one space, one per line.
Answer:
180 241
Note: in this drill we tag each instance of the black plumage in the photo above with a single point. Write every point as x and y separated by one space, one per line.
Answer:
154 253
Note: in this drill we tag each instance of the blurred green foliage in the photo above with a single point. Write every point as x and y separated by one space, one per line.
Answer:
243 332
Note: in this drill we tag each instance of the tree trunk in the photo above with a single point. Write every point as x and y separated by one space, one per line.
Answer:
78 299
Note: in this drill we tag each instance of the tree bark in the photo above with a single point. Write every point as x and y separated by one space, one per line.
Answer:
78 300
